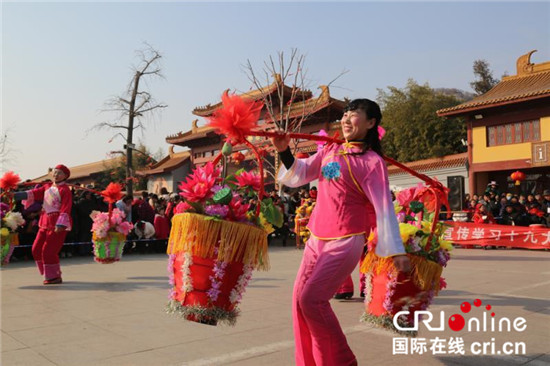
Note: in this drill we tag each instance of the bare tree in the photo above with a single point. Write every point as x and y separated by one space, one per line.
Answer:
292 86
134 106
6 150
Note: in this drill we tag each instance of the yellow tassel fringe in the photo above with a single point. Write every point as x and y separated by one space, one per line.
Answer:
425 273
238 242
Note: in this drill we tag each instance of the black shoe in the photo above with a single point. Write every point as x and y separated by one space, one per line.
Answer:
343 295
362 294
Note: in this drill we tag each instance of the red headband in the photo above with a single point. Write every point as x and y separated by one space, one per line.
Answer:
64 169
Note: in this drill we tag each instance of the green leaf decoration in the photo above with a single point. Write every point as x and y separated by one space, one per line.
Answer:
212 218
271 213
429 216
409 218
230 179
223 196
196 206
416 206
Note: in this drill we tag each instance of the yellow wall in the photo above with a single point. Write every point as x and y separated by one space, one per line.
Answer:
545 129
484 154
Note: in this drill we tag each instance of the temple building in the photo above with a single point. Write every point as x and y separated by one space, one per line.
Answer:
509 130
312 113
168 172
85 174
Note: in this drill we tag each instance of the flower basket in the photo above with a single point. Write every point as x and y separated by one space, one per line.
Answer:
11 220
109 229
108 249
388 291
211 262
8 243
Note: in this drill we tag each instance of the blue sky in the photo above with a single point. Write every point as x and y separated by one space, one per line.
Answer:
62 61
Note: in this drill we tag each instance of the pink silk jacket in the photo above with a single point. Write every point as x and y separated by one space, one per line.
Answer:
348 185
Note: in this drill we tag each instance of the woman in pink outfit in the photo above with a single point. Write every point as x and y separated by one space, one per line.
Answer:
54 224
351 176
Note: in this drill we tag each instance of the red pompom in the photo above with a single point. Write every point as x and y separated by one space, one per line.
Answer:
9 181
112 193
236 118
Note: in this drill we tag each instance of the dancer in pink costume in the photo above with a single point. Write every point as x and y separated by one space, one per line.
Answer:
54 224
351 176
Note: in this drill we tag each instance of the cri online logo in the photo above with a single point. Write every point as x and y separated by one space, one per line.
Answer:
457 322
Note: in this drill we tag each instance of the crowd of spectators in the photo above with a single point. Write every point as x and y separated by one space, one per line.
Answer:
150 213
495 207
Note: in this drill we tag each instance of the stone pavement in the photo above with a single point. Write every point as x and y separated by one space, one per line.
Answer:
114 315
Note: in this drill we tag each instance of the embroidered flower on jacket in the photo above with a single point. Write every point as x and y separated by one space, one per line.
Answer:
331 170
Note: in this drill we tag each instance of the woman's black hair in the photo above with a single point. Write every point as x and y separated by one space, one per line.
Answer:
372 110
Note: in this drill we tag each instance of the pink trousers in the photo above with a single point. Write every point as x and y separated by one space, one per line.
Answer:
45 251
318 336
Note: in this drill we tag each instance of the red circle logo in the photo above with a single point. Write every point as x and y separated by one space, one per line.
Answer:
456 322
465 307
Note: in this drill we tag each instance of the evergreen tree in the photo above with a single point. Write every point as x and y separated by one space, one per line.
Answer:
413 129
485 80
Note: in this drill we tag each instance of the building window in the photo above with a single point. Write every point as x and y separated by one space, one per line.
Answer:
492 133
526 130
513 133
500 135
518 132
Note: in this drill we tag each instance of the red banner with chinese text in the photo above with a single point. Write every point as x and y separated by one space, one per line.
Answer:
469 233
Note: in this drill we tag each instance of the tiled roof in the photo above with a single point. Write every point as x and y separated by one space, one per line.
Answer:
310 106
531 82
257 94
301 108
194 133
448 161
168 163
85 170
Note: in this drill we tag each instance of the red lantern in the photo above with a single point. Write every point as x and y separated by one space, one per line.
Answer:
237 157
518 177
302 155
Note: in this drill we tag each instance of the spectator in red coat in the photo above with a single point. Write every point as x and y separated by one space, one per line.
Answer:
162 231
143 209
482 215
162 225
313 193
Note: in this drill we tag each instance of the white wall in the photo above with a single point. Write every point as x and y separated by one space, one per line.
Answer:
406 180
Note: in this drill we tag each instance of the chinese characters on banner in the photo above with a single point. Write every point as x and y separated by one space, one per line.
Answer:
469 233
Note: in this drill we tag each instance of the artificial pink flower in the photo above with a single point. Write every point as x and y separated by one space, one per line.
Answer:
246 179
428 198
321 144
237 209
9 181
442 283
237 117
183 207
407 195
112 193
198 186
207 171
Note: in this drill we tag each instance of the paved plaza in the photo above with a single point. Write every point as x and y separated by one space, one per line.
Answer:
114 315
